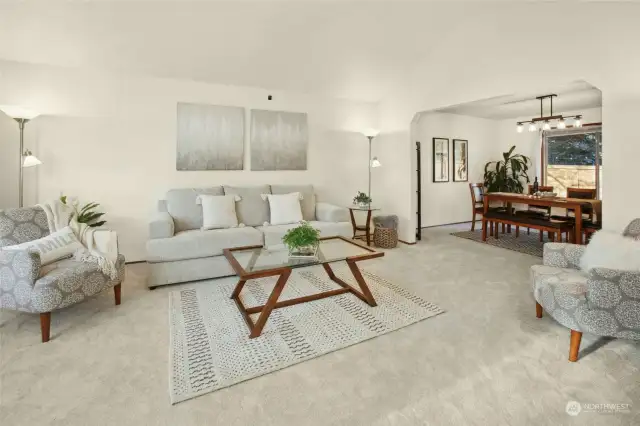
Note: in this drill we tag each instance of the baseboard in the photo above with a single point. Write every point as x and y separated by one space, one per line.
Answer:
447 224
409 244
134 262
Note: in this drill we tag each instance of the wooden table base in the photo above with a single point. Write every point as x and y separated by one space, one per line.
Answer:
255 328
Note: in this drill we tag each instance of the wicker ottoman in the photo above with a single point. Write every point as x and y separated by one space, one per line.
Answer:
385 234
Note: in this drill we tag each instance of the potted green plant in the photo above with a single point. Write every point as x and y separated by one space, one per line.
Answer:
302 241
362 199
87 214
508 174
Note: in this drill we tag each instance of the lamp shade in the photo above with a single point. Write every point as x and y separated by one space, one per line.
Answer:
375 162
19 112
30 160
371 133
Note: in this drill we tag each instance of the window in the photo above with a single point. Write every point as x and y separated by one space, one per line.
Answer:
573 159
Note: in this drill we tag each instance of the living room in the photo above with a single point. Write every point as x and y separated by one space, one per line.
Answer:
450 333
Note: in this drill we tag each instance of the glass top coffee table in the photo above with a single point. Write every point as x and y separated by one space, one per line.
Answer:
257 262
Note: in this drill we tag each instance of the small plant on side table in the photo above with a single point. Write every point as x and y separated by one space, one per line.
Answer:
87 214
362 199
302 241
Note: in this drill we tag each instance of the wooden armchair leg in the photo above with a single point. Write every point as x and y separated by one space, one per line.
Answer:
574 346
538 310
45 326
116 292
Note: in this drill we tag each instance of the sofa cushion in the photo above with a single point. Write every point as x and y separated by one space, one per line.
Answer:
308 203
181 205
273 234
284 208
252 209
196 243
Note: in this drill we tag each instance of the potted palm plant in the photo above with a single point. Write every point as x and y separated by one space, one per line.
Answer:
508 174
302 241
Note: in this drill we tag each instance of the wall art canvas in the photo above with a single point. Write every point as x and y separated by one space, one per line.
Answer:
440 160
279 140
210 137
460 160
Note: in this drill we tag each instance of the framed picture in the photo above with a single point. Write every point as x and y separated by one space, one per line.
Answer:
440 160
460 160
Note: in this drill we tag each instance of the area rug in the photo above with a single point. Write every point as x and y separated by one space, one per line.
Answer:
529 244
210 346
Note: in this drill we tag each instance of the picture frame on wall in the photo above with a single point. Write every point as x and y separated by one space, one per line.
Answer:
440 160
460 164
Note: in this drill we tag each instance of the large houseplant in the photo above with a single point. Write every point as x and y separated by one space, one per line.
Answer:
302 240
508 174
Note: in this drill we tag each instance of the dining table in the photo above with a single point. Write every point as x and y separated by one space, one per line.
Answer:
575 204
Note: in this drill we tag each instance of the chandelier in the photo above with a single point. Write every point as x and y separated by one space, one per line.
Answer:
544 122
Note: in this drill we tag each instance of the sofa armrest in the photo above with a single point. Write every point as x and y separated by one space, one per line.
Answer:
562 255
326 212
18 265
610 288
161 226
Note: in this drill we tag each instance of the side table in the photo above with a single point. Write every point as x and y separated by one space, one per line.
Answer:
366 228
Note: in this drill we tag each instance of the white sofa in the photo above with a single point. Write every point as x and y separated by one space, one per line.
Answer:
179 251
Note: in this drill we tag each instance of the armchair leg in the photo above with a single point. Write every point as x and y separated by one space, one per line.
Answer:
574 347
116 292
538 310
45 326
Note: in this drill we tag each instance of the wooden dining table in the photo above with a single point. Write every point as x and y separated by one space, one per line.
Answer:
576 204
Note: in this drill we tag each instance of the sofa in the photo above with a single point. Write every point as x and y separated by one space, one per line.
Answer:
603 302
179 251
27 286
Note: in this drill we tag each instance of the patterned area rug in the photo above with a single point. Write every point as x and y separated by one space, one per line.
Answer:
210 345
529 244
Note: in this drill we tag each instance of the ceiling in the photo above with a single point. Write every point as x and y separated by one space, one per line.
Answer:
339 49
575 96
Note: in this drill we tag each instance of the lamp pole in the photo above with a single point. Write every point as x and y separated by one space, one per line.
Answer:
369 190
21 123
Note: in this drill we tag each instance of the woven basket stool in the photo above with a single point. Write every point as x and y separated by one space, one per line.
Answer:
385 234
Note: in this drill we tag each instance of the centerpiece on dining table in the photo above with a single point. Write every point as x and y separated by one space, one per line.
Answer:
302 241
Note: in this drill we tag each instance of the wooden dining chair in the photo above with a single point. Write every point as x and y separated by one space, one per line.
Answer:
584 194
477 202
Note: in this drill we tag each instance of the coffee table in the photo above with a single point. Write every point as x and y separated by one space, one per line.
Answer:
257 262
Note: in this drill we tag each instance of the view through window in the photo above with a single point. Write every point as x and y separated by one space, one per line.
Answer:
573 159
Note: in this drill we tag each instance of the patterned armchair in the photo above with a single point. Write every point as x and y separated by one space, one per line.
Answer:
604 302
27 286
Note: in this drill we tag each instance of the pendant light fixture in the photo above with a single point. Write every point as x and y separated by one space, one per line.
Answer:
559 119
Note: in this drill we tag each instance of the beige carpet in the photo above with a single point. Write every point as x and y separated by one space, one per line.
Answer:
487 361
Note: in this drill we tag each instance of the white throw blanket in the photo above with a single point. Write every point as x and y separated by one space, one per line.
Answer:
100 246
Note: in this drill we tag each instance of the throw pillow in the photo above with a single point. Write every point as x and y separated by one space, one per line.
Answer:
284 208
218 211
611 250
53 247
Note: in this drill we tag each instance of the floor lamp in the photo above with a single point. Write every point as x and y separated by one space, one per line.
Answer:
373 162
27 159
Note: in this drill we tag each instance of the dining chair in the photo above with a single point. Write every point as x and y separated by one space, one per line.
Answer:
584 194
477 205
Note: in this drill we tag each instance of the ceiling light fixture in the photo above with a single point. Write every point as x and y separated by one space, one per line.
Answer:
546 120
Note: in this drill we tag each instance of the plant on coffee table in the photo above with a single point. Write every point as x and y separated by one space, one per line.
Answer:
302 240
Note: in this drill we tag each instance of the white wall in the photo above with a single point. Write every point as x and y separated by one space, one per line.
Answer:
450 202
112 139
499 60
9 147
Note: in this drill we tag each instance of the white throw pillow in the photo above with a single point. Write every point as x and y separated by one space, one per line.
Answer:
285 208
218 211
611 250
53 247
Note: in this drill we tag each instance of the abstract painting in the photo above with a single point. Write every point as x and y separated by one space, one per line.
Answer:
460 160
440 160
279 140
210 137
